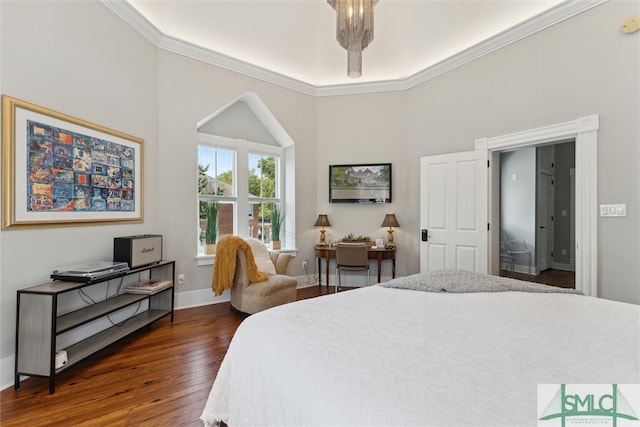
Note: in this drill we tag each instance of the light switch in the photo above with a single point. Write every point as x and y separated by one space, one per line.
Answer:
514 177
613 210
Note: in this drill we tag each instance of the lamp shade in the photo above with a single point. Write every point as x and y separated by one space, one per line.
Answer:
390 221
322 221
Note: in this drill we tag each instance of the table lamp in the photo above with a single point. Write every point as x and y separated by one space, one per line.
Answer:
322 221
390 221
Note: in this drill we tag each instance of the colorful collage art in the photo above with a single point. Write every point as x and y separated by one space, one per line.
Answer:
68 171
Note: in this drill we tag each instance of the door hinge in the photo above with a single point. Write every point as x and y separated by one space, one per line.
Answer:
488 163
552 218
488 227
551 254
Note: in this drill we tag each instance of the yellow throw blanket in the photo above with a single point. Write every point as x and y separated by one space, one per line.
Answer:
224 268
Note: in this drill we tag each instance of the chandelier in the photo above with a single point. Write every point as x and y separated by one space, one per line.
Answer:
354 30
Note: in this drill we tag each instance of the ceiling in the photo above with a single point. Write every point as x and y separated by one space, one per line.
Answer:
296 38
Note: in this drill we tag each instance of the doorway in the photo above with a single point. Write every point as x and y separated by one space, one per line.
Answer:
584 251
537 213
584 131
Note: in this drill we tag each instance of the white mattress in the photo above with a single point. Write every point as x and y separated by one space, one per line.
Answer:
380 356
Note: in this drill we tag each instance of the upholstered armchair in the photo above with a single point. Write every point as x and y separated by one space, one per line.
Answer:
276 290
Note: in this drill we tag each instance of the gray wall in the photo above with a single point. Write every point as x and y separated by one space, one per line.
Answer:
80 59
579 67
92 65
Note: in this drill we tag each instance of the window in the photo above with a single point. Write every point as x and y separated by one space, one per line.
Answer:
244 178
216 178
263 194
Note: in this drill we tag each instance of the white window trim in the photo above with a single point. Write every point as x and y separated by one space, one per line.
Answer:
241 185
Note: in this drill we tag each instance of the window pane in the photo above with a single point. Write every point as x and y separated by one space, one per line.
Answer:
216 171
216 176
260 220
262 175
226 214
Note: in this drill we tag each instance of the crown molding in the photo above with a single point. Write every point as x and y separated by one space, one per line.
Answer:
131 16
199 53
546 19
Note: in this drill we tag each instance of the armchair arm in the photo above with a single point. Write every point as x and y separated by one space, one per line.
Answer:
281 261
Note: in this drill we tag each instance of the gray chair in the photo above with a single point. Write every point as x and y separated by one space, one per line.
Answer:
351 257
507 258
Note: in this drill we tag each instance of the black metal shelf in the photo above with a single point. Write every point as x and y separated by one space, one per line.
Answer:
39 325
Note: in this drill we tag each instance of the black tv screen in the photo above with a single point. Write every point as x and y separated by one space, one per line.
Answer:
360 183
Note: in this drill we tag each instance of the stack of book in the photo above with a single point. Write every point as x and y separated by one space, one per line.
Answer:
148 286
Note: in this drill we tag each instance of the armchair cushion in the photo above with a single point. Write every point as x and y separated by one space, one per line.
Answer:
262 257
281 261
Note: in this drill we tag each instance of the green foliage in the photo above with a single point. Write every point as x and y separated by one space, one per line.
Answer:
264 184
276 223
339 176
204 188
351 238
202 178
226 176
211 233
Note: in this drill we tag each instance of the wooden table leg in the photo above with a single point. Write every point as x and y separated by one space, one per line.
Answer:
327 273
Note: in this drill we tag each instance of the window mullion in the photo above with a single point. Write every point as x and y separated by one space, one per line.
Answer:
242 189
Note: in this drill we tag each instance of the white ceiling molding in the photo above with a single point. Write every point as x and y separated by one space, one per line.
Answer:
559 13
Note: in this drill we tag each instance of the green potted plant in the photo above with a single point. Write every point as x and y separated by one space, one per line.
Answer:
276 224
211 232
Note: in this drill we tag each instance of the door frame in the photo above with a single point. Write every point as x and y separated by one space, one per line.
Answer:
584 130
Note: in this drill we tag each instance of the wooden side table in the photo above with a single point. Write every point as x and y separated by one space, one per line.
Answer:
329 252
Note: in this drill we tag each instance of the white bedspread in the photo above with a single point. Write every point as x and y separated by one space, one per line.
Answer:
381 356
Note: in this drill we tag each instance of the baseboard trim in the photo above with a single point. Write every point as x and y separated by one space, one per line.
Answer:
563 266
199 297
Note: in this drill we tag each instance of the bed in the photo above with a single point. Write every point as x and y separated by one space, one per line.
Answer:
439 349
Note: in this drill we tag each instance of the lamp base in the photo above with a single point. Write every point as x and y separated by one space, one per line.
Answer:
390 246
322 244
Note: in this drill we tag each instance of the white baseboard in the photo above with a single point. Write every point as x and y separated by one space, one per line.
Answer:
205 296
199 297
7 367
563 266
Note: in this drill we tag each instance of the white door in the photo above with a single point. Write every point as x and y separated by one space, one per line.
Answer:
453 211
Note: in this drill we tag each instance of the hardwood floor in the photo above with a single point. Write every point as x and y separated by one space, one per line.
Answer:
560 278
159 376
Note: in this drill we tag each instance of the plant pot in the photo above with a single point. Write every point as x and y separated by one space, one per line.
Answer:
276 244
211 248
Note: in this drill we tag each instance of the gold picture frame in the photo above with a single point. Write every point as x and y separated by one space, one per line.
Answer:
60 171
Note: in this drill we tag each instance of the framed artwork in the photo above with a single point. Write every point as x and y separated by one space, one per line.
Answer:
58 170
361 183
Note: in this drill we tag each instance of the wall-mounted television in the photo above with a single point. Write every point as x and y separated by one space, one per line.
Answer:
360 183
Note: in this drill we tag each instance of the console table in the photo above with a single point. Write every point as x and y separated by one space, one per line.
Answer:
40 324
378 254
